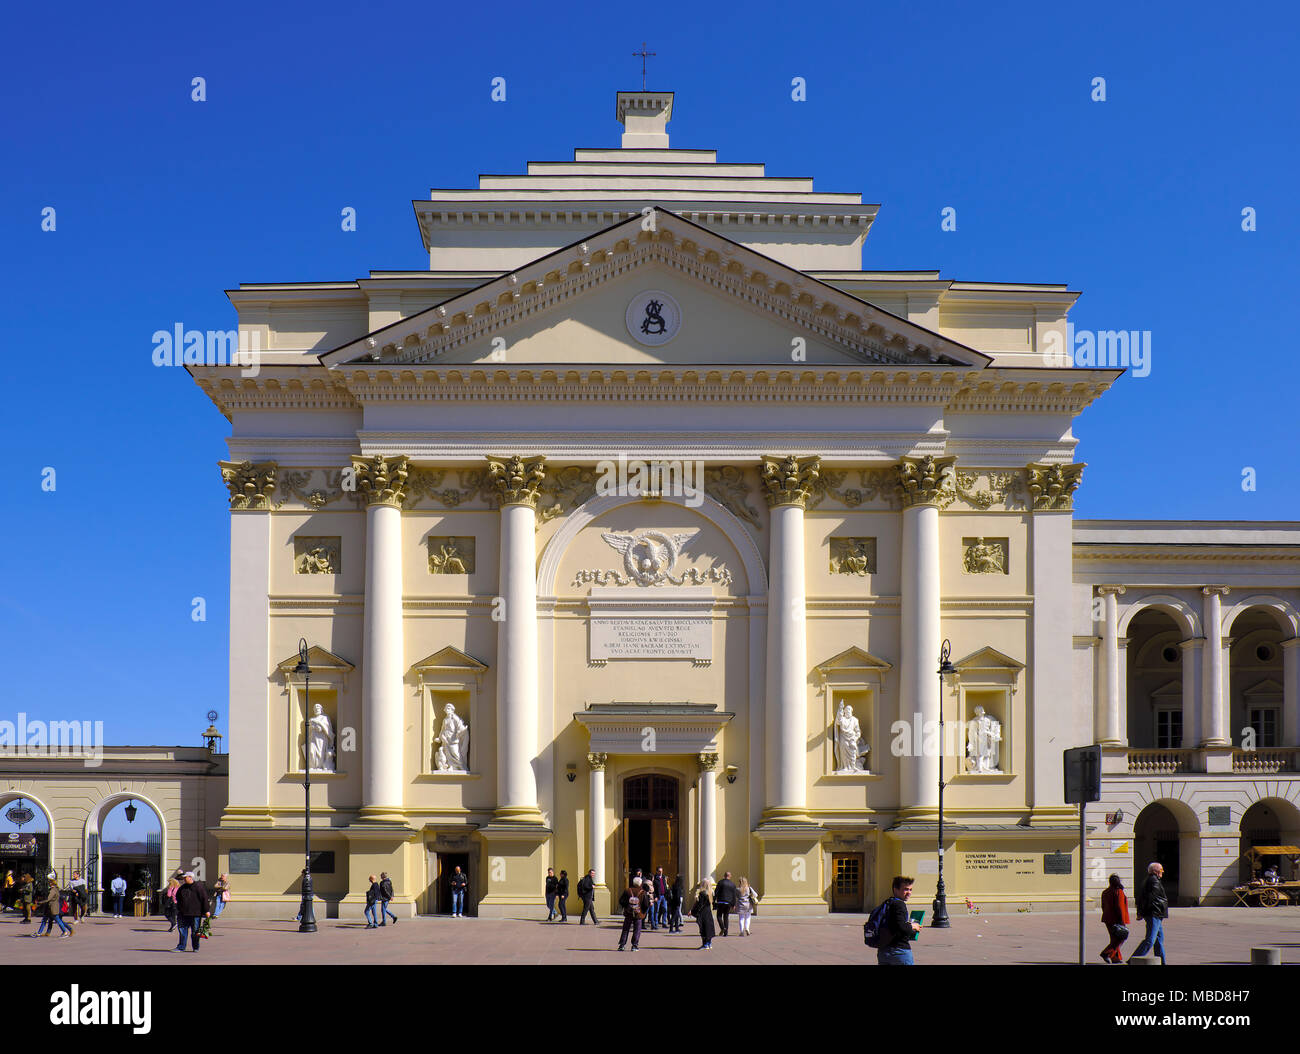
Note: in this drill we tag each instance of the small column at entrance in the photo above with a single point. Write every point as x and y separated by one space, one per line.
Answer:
708 814
596 816
1215 712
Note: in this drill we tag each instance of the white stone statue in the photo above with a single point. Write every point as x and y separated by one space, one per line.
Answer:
453 743
320 741
850 752
983 742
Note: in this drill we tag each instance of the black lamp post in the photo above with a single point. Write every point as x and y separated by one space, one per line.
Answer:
939 919
307 917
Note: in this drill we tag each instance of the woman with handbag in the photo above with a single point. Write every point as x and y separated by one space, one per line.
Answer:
169 903
1114 916
220 895
746 905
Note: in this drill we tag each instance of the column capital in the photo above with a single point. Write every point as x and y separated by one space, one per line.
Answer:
597 761
251 484
789 480
516 479
1053 486
1210 591
382 479
708 761
921 479
1119 591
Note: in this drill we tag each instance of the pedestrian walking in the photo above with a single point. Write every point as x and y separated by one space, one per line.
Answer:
552 884
724 899
193 905
746 905
1153 908
27 897
676 894
51 910
894 927
703 912
169 903
372 904
633 903
459 883
77 896
587 894
660 889
118 888
1114 916
220 895
385 895
562 895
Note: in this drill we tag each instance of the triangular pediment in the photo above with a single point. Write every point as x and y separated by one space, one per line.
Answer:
1266 687
732 305
1169 690
319 661
852 660
988 659
448 659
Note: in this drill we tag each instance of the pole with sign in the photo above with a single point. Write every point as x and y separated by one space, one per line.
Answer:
1082 785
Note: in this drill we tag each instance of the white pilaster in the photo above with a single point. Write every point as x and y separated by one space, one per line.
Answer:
596 816
1111 734
1193 661
250 659
1214 705
708 815
1291 692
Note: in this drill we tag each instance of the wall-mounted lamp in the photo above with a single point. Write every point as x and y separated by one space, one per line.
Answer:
570 772
731 773
130 811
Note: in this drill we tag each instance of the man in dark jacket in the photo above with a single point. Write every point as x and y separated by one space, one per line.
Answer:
385 895
459 883
633 901
1153 906
552 883
587 891
724 899
192 904
562 895
895 949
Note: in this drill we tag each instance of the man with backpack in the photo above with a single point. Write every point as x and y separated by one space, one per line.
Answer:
634 900
890 929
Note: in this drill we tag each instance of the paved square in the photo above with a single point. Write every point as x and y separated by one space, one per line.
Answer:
1196 935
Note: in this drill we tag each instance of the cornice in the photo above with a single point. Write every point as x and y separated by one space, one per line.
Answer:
309 387
1100 551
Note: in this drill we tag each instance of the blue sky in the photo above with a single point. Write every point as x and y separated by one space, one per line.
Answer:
162 203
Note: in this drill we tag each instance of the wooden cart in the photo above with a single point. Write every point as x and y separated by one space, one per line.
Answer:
1269 894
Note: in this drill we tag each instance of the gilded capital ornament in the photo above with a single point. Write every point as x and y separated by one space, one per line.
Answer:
250 485
1053 486
516 479
921 479
597 761
1118 590
708 762
382 479
789 480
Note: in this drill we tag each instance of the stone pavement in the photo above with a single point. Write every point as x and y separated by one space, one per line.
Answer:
1196 935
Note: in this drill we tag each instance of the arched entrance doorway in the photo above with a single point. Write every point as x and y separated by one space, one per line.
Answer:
1271 822
1165 833
125 837
26 837
652 824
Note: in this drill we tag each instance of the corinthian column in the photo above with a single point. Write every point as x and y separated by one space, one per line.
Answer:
596 816
786 483
708 814
515 480
383 482
920 481
1214 699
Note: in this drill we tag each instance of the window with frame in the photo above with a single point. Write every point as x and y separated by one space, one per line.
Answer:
1169 728
1263 719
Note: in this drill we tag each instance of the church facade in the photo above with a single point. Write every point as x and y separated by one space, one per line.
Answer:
629 535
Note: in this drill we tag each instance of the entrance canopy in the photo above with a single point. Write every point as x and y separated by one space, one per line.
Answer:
676 728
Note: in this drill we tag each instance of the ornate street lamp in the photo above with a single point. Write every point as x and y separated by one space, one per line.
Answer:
947 676
307 917
130 811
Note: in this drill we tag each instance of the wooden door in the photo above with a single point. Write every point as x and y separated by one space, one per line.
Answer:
846 881
663 840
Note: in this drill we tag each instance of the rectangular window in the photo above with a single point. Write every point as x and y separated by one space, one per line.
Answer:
1169 729
1263 719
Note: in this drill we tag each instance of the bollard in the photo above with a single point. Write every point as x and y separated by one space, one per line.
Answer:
1144 960
1266 956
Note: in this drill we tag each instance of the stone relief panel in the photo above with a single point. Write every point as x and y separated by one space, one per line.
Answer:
985 556
451 554
316 555
649 557
853 556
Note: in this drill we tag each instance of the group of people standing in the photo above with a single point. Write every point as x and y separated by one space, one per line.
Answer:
662 904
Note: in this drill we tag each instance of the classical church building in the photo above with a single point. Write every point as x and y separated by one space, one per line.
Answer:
629 533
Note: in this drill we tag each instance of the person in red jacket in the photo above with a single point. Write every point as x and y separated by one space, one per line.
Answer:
1114 916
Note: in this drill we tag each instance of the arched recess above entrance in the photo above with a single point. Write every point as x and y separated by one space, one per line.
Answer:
1177 849
1183 814
1283 613
1183 614
1282 813
13 795
726 522
95 824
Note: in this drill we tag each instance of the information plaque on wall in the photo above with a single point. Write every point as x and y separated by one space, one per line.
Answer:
1058 863
245 861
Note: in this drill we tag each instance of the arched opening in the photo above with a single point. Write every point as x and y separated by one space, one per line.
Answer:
1255 679
1270 822
652 824
124 839
1165 833
25 840
1155 681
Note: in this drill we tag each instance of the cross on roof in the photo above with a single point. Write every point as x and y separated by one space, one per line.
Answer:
643 55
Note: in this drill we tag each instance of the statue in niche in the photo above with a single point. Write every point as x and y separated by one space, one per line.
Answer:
985 558
850 751
452 754
983 742
320 741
